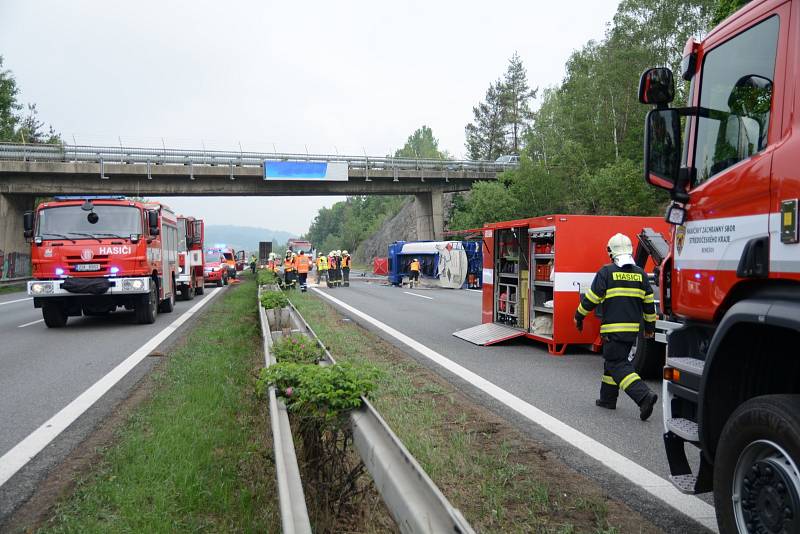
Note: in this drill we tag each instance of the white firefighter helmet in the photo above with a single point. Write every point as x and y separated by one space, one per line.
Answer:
344 253
620 249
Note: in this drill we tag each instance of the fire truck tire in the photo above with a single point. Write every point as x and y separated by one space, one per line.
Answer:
647 357
168 304
200 289
188 292
756 460
54 314
147 307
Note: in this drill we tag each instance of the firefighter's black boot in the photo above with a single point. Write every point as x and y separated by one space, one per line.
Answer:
608 405
646 407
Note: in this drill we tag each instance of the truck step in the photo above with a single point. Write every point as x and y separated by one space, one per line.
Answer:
684 483
690 365
684 428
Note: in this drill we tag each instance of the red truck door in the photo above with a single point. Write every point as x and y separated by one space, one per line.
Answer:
726 236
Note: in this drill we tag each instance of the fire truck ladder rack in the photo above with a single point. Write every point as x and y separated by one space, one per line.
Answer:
414 501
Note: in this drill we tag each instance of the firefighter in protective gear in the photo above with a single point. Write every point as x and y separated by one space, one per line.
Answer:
414 272
253 262
332 269
345 268
624 291
288 270
322 267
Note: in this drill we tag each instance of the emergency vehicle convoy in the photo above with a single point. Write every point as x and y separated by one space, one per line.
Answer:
190 280
731 282
90 255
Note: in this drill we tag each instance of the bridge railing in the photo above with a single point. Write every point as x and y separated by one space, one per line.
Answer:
170 156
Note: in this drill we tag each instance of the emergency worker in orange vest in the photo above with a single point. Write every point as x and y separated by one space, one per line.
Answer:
414 272
346 268
288 270
303 264
332 269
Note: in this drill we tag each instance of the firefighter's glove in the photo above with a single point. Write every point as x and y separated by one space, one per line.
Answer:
649 334
579 322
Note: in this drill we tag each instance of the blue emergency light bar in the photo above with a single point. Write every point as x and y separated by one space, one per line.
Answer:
90 197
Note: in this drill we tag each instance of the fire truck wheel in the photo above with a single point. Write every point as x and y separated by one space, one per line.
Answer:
147 307
187 292
756 478
55 314
200 289
647 357
168 304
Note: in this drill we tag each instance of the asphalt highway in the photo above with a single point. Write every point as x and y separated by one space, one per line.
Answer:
564 387
42 370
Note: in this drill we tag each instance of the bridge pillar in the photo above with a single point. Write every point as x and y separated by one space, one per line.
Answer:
430 215
15 252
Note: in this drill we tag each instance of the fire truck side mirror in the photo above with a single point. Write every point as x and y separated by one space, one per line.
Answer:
662 148
27 222
152 222
657 87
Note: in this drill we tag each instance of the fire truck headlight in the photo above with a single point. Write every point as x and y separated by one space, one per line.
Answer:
59 271
132 285
41 288
180 269
114 270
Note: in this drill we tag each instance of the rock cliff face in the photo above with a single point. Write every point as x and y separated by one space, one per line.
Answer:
401 227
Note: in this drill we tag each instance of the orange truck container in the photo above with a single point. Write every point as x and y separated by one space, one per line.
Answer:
91 255
534 271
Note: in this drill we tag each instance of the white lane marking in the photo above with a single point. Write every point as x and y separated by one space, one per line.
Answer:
476 290
30 323
689 505
25 450
415 295
13 301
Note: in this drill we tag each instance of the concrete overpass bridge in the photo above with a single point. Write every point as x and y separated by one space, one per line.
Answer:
30 171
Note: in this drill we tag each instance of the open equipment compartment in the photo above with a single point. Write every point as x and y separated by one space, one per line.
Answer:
535 270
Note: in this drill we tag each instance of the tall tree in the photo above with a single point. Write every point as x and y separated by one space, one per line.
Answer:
486 135
517 96
32 130
421 144
8 104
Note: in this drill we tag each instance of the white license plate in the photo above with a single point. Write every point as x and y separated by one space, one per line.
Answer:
87 267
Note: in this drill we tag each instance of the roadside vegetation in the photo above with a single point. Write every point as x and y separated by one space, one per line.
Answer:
499 479
196 455
11 288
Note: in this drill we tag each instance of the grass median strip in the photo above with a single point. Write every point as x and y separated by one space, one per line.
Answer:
195 456
501 480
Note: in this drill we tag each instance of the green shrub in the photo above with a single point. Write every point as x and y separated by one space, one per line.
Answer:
266 277
317 392
274 299
297 349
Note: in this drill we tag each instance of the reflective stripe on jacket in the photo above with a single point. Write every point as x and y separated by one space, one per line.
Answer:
627 300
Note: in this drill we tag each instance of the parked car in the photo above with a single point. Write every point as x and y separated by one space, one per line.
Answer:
511 159
215 270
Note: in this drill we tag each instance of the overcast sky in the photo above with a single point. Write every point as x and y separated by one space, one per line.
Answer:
325 76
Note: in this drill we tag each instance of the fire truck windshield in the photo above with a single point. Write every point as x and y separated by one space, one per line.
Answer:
111 221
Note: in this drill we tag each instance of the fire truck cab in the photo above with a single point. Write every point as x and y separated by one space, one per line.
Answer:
731 282
93 254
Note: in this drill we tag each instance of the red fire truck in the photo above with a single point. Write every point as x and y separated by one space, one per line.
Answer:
190 280
731 282
90 255
535 270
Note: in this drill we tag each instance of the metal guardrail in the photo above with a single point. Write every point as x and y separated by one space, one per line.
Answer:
415 502
294 514
168 156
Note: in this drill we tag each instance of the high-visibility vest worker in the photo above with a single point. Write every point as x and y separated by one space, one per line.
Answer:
346 262
624 290
288 264
322 263
302 263
414 267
